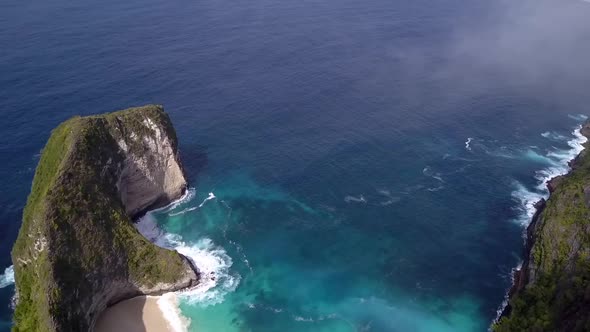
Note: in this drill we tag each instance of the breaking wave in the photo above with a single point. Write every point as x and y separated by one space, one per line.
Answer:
558 162
168 305
212 262
7 278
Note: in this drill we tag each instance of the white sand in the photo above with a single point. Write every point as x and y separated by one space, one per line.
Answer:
140 314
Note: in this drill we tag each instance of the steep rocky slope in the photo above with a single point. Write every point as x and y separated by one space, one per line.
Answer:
77 251
552 290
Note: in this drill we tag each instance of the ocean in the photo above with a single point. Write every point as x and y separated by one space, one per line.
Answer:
353 165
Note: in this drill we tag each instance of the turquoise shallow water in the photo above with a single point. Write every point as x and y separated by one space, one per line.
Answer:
387 253
373 162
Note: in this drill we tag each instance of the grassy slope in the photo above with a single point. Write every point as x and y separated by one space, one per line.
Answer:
74 214
559 299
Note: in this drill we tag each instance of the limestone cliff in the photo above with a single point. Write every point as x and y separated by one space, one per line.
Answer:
551 292
77 251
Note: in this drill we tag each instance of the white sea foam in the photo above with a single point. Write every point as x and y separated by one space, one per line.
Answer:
536 157
210 197
303 319
427 171
578 117
554 136
214 265
559 165
7 278
527 200
468 143
212 262
353 199
562 159
189 209
390 199
187 197
435 189
168 305
183 211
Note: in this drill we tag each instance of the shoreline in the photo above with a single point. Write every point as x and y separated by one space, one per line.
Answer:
518 274
144 314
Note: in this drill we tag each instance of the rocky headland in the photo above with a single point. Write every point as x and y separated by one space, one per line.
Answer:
77 251
551 291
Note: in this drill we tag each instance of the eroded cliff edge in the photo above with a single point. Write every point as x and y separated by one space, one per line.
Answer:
551 292
77 251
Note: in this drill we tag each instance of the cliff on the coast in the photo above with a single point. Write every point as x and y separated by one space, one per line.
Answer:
551 292
77 251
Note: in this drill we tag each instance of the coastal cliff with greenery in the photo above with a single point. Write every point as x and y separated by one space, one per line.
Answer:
551 291
77 251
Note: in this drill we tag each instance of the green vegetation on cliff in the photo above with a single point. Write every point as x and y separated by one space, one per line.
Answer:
556 291
76 246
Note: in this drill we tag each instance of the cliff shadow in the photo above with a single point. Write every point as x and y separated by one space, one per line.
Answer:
133 315
194 159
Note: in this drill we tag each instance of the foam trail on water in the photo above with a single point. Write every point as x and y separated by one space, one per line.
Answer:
578 117
536 157
172 214
7 278
390 199
359 199
554 136
210 197
187 197
468 143
427 171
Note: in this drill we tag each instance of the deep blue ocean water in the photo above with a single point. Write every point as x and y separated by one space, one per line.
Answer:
371 163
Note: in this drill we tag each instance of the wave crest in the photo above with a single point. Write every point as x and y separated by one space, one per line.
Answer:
559 165
7 278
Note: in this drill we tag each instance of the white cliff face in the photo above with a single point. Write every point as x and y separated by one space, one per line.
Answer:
153 177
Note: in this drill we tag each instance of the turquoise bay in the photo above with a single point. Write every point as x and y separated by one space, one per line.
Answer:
387 253
355 165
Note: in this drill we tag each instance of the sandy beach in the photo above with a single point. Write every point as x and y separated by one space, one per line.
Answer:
140 314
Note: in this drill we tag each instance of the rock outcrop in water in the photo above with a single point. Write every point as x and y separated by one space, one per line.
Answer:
77 251
551 292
